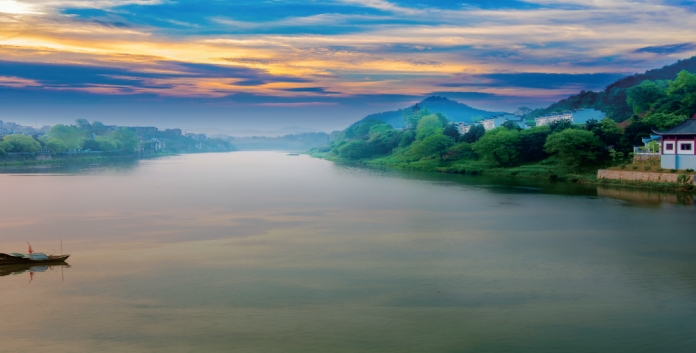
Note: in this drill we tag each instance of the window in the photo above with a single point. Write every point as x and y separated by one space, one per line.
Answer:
685 147
669 147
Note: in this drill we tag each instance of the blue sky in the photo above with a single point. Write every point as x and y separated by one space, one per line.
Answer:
242 66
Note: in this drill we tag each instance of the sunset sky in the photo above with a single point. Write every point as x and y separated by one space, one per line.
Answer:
247 67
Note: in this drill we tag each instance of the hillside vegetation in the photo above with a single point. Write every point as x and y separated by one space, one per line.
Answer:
559 150
613 100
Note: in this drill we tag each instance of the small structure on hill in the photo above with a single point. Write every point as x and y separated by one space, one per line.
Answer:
678 145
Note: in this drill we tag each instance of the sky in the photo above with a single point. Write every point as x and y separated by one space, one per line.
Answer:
278 66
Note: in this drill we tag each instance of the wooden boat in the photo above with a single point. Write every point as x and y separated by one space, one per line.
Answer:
34 258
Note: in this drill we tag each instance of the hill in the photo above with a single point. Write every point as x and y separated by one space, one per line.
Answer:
453 110
612 100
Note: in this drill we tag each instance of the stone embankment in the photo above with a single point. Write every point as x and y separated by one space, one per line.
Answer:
645 176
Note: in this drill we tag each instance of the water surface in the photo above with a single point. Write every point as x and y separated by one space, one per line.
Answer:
264 252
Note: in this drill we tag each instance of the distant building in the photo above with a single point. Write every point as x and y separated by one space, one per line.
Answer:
548 119
498 121
576 116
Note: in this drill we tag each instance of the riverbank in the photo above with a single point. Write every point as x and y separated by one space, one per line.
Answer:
14 161
545 170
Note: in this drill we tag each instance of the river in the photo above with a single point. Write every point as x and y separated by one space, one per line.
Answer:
265 252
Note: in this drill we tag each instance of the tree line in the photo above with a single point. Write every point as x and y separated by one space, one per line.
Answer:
657 105
96 136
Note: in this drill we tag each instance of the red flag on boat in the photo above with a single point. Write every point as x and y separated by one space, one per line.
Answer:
30 250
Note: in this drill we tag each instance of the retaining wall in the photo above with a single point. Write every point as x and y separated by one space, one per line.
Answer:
641 176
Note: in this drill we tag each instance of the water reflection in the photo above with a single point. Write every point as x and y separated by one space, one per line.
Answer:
647 198
18 269
123 165
258 252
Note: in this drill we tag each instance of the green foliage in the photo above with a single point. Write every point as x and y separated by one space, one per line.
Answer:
452 131
413 117
663 121
55 145
607 131
653 146
91 145
683 90
435 144
20 143
125 139
355 150
642 97
428 126
71 136
106 144
575 148
462 150
474 134
407 138
560 125
383 138
499 146
531 144
2 150
511 125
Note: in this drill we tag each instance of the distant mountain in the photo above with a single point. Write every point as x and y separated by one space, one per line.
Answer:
453 110
612 100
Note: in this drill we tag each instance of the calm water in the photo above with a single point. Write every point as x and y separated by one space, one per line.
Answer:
263 252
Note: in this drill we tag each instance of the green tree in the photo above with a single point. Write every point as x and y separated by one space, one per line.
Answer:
452 131
71 136
436 144
355 150
663 121
500 146
383 138
412 117
560 125
511 125
607 131
575 148
427 126
126 139
474 134
91 145
642 97
106 144
55 145
683 90
20 143
462 150
84 125
531 144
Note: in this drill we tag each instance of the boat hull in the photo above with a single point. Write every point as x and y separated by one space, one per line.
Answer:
6 259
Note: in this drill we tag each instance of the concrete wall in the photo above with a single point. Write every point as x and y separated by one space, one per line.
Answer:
678 161
640 176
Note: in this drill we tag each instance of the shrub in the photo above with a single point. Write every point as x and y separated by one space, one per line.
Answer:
689 170
623 166
647 167
672 170
635 167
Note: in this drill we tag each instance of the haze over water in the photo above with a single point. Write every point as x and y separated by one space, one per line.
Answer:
263 252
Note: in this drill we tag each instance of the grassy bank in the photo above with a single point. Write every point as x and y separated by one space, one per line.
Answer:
545 170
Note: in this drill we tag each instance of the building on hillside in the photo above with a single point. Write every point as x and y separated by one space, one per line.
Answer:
576 116
678 145
498 120
548 119
463 128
